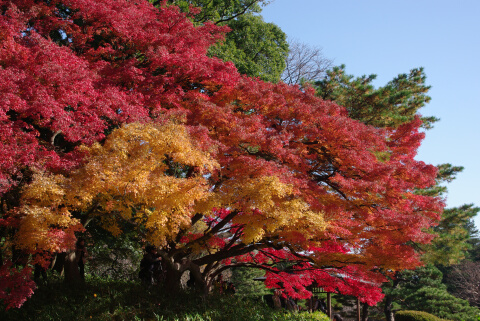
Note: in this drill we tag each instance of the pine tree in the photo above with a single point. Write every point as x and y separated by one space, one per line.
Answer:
396 103
422 290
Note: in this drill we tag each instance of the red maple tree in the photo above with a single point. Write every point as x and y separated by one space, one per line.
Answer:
298 181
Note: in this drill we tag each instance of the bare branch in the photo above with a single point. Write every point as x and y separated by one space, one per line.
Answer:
304 63
465 281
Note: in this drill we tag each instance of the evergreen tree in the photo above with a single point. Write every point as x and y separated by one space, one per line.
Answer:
453 242
422 290
257 48
473 241
453 233
219 11
245 283
394 104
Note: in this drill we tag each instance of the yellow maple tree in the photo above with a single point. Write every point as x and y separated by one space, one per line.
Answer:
128 178
123 179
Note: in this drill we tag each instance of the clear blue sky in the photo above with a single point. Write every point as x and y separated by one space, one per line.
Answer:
391 37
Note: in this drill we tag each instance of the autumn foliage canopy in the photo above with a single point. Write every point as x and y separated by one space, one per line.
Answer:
112 111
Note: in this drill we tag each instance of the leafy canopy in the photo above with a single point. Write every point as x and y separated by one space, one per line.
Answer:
132 124
257 48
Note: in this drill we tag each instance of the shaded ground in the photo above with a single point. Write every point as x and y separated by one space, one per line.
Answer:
113 300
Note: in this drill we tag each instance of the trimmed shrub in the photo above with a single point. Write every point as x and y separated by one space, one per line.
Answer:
416 316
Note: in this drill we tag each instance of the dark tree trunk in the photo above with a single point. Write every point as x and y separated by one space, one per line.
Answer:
72 273
58 262
175 271
365 311
388 308
173 280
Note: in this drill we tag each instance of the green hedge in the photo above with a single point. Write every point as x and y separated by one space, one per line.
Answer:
415 316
